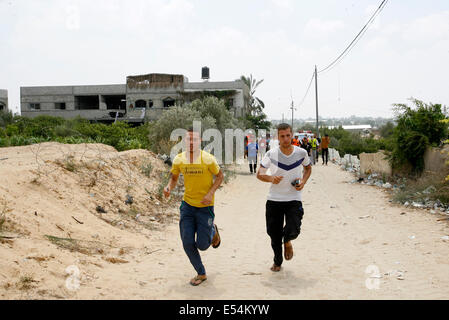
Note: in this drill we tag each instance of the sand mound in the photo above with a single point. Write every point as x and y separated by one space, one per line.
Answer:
87 203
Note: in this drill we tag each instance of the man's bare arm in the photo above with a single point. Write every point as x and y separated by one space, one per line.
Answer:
262 176
217 183
306 175
171 184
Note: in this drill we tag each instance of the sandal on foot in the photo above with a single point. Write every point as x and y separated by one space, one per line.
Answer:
214 238
288 250
194 282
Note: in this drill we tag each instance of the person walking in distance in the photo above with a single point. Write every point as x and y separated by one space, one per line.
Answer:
196 223
324 145
286 164
314 153
251 151
306 145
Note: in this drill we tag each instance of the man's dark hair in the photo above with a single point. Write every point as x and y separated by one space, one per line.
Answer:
326 135
284 126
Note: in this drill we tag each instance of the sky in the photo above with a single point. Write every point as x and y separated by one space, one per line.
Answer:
404 54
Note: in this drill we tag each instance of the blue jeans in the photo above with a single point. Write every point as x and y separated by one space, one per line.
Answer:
200 221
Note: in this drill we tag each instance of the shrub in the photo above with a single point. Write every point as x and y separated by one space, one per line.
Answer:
416 130
174 118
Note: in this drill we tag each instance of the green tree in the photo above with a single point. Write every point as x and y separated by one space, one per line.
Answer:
387 130
255 105
174 118
417 129
257 122
215 108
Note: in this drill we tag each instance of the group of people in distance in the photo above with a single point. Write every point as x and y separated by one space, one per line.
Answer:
314 146
285 166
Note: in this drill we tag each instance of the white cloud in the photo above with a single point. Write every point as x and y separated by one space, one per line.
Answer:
282 3
318 28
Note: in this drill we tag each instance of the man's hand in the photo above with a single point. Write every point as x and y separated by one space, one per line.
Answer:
300 185
207 200
167 191
277 179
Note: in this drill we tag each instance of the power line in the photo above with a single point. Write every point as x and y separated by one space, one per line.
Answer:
346 51
307 91
357 38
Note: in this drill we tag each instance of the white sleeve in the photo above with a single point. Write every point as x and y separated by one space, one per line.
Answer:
266 161
306 161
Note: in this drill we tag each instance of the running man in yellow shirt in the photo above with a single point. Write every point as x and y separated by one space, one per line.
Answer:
197 208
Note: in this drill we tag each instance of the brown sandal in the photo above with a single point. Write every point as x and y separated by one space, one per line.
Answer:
216 235
288 250
194 282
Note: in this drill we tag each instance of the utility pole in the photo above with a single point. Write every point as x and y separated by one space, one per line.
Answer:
292 115
282 118
292 107
316 99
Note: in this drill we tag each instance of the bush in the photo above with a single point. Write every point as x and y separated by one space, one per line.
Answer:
346 142
215 108
6 118
416 130
177 117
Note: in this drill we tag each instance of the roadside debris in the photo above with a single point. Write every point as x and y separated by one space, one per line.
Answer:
100 209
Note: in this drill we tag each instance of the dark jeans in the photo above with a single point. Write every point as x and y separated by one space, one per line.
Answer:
199 221
252 164
275 213
325 152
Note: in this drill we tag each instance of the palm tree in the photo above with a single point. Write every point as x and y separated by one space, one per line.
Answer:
255 105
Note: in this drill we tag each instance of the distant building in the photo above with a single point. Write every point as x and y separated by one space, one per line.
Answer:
142 98
3 100
361 127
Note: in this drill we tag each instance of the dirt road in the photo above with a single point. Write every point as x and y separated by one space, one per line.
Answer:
354 244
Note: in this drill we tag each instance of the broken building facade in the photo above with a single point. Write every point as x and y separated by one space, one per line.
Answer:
3 100
142 98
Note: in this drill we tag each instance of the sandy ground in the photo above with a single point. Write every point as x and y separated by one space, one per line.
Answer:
354 244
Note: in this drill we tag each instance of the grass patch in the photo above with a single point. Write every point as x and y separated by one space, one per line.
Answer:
68 163
26 282
146 168
81 246
115 260
430 187
4 209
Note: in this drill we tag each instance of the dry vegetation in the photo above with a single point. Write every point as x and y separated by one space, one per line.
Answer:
87 203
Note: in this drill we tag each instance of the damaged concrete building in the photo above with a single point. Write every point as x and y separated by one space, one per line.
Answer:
3 100
142 98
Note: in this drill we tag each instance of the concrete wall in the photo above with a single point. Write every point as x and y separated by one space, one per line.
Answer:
435 159
374 162
70 114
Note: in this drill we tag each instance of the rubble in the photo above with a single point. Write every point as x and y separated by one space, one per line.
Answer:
351 164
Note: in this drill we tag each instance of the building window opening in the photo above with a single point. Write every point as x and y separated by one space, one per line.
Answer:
141 104
150 103
169 102
60 105
87 103
115 102
35 106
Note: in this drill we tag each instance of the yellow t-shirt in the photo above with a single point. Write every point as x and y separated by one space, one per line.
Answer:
198 176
